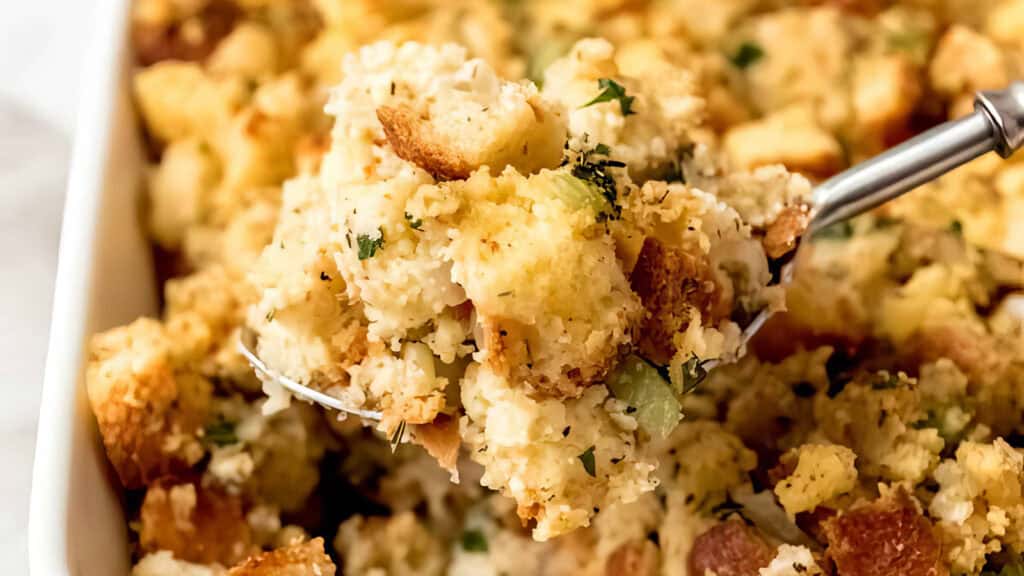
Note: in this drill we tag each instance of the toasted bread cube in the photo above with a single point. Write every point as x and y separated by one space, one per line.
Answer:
298 559
791 137
149 415
197 524
179 100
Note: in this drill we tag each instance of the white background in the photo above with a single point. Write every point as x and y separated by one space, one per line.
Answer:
42 43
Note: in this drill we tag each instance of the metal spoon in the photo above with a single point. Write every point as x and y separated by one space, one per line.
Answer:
997 124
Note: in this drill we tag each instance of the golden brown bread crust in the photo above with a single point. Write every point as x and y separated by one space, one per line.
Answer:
197 524
887 536
148 414
157 41
781 235
730 549
299 559
671 282
413 139
441 440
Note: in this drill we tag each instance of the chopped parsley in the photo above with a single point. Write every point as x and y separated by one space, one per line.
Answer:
368 245
594 171
587 458
325 276
474 541
694 373
397 436
270 316
220 433
414 223
747 55
956 227
612 90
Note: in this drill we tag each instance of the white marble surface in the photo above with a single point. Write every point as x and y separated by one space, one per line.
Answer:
41 46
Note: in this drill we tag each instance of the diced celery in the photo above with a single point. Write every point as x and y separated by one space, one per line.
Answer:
639 385
575 193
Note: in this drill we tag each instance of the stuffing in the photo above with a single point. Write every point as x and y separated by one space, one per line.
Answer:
966 61
197 524
874 416
645 126
821 473
889 535
790 137
163 563
523 232
178 100
559 460
298 559
978 502
150 413
179 190
396 545
730 549
792 560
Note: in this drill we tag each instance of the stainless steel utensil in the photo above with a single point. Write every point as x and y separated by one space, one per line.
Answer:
997 124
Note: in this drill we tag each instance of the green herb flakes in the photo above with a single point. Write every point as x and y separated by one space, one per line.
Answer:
474 541
747 55
368 245
594 171
587 458
956 227
612 90
414 223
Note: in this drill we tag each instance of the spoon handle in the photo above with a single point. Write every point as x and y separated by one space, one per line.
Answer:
997 124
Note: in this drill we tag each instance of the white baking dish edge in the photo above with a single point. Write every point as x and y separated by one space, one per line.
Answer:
72 531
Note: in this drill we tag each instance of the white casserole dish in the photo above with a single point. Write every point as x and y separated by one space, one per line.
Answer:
104 278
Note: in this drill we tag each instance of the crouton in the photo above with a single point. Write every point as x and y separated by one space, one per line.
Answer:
195 523
730 549
298 559
791 137
672 284
887 536
781 236
149 413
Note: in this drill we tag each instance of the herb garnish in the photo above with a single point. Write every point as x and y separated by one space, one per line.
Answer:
956 227
748 54
220 433
594 171
368 245
587 458
414 223
474 541
612 90
396 437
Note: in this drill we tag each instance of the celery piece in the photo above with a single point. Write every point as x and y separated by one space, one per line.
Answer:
638 384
